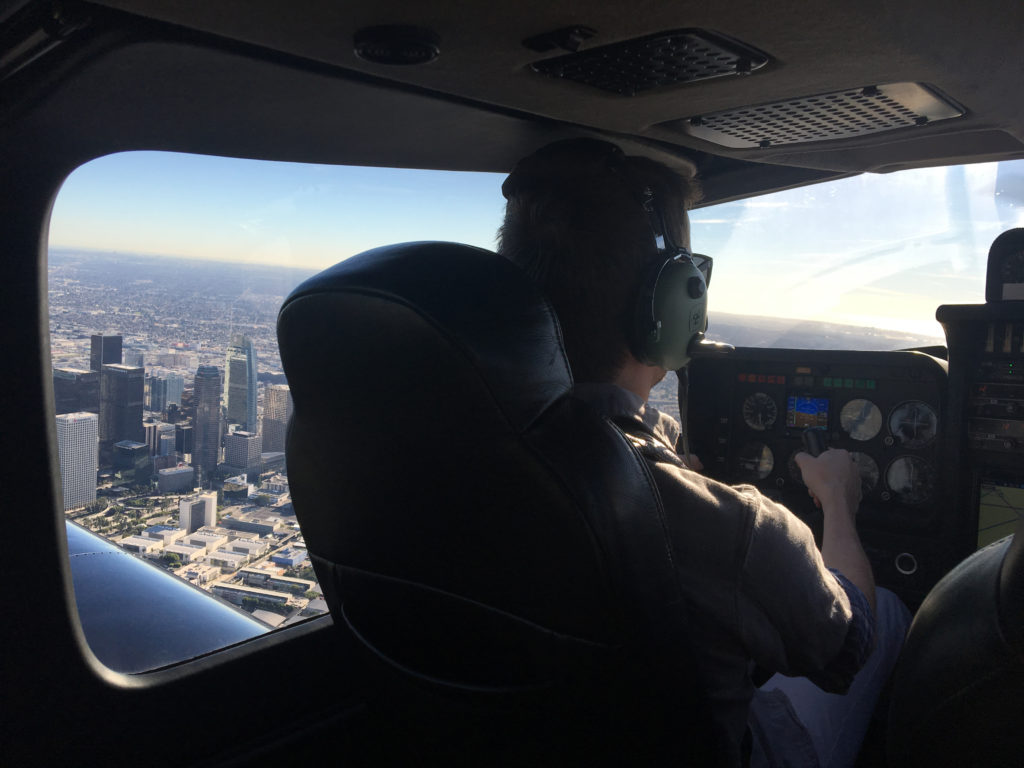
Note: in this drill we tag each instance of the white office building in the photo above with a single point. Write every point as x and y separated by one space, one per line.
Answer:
77 445
196 511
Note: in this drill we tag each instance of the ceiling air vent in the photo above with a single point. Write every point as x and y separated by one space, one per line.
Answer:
829 116
666 58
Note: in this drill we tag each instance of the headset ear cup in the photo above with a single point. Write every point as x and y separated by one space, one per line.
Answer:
671 311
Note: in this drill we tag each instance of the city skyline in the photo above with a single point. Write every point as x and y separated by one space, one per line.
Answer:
872 250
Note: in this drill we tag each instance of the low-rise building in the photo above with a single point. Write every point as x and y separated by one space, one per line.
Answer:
237 490
250 523
236 593
276 484
210 540
315 607
246 547
266 580
185 553
241 535
168 534
141 545
227 561
176 479
200 573
290 557
269 617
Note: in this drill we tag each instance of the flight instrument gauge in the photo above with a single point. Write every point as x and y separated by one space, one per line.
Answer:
913 424
861 419
760 411
868 470
910 478
755 461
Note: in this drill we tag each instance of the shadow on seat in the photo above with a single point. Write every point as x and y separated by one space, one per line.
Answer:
495 547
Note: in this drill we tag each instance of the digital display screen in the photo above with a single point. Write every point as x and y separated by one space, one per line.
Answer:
805 412
1000 506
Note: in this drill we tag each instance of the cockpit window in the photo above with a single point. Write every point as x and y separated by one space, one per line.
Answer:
166 272
858 263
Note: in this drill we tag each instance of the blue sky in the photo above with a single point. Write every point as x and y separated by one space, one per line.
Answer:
266 212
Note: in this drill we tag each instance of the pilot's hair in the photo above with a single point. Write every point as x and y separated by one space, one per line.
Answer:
575 222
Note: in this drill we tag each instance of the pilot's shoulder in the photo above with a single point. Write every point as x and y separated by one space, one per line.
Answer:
651 446
702 508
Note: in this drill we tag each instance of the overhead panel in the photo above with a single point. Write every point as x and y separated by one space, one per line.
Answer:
823 117
663 59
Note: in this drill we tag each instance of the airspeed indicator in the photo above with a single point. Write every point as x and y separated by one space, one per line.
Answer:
760 411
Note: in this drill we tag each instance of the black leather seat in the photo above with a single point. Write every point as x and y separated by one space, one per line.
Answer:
958 688
495 546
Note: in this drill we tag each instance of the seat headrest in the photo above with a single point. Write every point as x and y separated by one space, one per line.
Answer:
483 303
422 376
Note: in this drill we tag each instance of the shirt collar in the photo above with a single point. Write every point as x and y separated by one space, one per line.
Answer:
612 400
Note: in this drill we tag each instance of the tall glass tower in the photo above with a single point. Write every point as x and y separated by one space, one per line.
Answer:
206 427
122 390
240 382
104 350
277 409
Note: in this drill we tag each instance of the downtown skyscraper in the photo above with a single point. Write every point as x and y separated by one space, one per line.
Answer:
240 382
207 424
121 396
277 409
163 389
77 446
76 390
104 350
243 453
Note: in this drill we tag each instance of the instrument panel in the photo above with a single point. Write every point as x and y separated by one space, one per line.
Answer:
747 409
986 347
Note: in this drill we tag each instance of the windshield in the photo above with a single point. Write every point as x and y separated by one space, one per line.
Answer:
858 263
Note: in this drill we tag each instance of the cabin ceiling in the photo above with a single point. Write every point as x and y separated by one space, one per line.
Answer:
971 53
265 79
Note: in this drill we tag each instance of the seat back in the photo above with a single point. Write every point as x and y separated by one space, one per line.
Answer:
958 687
494 544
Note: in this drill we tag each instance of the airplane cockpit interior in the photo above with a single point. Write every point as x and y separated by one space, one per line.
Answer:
294 467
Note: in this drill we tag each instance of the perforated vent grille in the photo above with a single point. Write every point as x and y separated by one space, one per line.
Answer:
666 58
840 115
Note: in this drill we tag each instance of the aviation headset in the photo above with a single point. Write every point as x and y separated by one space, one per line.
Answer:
669 311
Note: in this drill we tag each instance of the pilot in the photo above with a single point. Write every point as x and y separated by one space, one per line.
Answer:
606 236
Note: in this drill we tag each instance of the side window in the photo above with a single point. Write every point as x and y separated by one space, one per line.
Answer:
166 272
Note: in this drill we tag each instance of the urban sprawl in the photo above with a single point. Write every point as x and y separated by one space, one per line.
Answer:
171 412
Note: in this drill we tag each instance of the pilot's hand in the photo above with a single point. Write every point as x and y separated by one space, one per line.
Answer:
832 480
692 462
